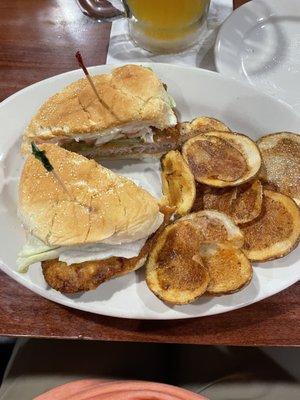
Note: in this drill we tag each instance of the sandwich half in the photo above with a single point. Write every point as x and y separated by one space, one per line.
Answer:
130 103
82 213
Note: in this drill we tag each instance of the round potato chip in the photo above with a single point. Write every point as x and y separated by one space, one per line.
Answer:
242 203
208 124
276 231
216 227
281 163
222 159
173 271
229 269
178 183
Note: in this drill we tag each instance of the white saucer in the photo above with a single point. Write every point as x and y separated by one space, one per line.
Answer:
260 43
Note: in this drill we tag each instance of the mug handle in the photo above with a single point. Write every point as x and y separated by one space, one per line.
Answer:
103 10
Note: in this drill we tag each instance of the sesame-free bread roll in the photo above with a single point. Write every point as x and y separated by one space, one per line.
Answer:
93 205
132 99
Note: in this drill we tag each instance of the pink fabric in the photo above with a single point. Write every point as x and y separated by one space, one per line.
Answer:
96 389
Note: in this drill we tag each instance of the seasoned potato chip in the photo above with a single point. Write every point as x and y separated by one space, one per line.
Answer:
174 273
242 203
229 269
276 231
215 226
178 183
207 124
198 203
281 163
222 158
172 138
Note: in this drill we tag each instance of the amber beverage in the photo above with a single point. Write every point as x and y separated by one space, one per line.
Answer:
166 25
160 26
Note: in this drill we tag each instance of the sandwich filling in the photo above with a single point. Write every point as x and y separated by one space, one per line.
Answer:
149 141
126 131
35 250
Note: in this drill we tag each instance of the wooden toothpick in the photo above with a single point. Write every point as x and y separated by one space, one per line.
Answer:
89 78
86 73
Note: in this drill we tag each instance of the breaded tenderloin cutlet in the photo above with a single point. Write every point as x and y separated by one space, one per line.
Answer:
88 275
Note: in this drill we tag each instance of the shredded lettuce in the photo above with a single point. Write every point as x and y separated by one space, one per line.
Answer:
34 251
121 142
171 101
24 262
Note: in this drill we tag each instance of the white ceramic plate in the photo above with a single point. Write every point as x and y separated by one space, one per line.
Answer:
197 92
260 43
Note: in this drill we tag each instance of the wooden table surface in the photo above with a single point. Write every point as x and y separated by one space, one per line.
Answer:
38 39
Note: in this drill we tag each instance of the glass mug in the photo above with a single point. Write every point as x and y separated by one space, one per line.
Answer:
160 26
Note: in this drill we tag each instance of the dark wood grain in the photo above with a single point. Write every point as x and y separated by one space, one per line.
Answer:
238 3
38 39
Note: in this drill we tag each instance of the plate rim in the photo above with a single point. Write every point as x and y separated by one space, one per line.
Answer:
114 313
227 23
216 74
44 293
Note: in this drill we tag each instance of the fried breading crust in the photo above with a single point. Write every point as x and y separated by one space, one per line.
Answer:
89 275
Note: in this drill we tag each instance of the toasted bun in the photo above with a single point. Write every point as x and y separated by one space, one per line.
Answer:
129 93
97 205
